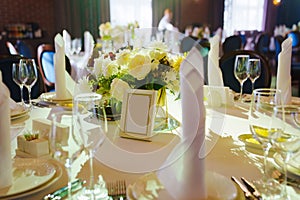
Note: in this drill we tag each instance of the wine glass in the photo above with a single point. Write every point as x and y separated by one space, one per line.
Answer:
287 140
240 70
65 143
92 131
31 74
19 76
254 70
263 128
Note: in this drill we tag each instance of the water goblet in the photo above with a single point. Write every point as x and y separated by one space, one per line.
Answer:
263 128
20 77
240 70
31 74
92 131
65 142
254 70
287 141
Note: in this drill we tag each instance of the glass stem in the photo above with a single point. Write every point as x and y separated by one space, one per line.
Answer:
29 95
286 160
91 169
69 171
252 85
21 90
241 92
266 148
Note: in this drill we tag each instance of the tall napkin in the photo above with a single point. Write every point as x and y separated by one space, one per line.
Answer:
215 77
284 70
184 171
59 66
88 43
68 42
5 148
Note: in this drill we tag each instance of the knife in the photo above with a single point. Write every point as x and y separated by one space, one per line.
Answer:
247 193
252 188
63 192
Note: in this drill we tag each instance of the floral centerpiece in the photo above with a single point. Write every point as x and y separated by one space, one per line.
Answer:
151 68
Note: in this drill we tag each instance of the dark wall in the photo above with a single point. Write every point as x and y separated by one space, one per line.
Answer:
288 12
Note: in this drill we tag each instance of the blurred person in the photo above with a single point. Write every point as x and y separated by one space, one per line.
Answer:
165 22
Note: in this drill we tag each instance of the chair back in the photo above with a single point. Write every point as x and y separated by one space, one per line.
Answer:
6 62
262 44
232 43
226 63
45 57
24 49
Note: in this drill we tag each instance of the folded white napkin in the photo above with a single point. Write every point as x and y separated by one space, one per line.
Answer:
184 170
5 147
88 44
68 42
60 70
215 77
284 71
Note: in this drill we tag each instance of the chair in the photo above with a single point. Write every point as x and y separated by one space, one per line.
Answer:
24 49
6 62
226 63
232 43
45 56
12 49
262 44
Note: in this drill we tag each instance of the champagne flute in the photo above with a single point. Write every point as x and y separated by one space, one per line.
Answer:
65 143
240 70
287 141
31 71
263 128
20 77
92 131
254 70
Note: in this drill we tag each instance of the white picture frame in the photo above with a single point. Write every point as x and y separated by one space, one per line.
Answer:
138 114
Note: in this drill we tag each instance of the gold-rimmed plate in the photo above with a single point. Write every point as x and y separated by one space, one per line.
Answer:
18 112
293 166
51 97
30 175
252 144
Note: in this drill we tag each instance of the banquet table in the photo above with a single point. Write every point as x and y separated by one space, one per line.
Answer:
122 158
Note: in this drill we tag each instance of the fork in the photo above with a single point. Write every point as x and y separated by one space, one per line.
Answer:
117 189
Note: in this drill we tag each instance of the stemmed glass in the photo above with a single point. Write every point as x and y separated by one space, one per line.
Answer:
254 70
65 142
263 128
92 131
287 140
31 73
240 70
19 75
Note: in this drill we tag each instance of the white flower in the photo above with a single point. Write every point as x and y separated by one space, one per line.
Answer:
98 65
123 57
83 85
170 76
118 88
158 45
109 68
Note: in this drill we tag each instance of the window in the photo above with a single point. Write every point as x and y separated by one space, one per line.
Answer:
242 15
124 12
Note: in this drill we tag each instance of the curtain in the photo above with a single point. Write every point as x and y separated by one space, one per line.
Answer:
159 6
78 16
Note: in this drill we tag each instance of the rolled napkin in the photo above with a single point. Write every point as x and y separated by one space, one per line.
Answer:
284 71
183 173
215 77
68 42
59 66
88 43
5 147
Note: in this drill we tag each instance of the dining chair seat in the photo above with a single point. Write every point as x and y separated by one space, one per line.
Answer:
226 63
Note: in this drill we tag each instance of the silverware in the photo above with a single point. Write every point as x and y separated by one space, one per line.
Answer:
248 195
117 189
252 188
63 192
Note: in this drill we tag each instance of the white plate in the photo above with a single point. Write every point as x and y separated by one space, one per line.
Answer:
18 112
293 166
218 187
51 97
30 176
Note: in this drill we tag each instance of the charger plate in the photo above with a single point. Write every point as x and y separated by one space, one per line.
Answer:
51 97
31 176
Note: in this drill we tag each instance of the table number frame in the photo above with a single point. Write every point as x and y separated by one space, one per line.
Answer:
138 114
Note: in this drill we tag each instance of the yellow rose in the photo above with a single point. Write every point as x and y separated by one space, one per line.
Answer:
139 66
